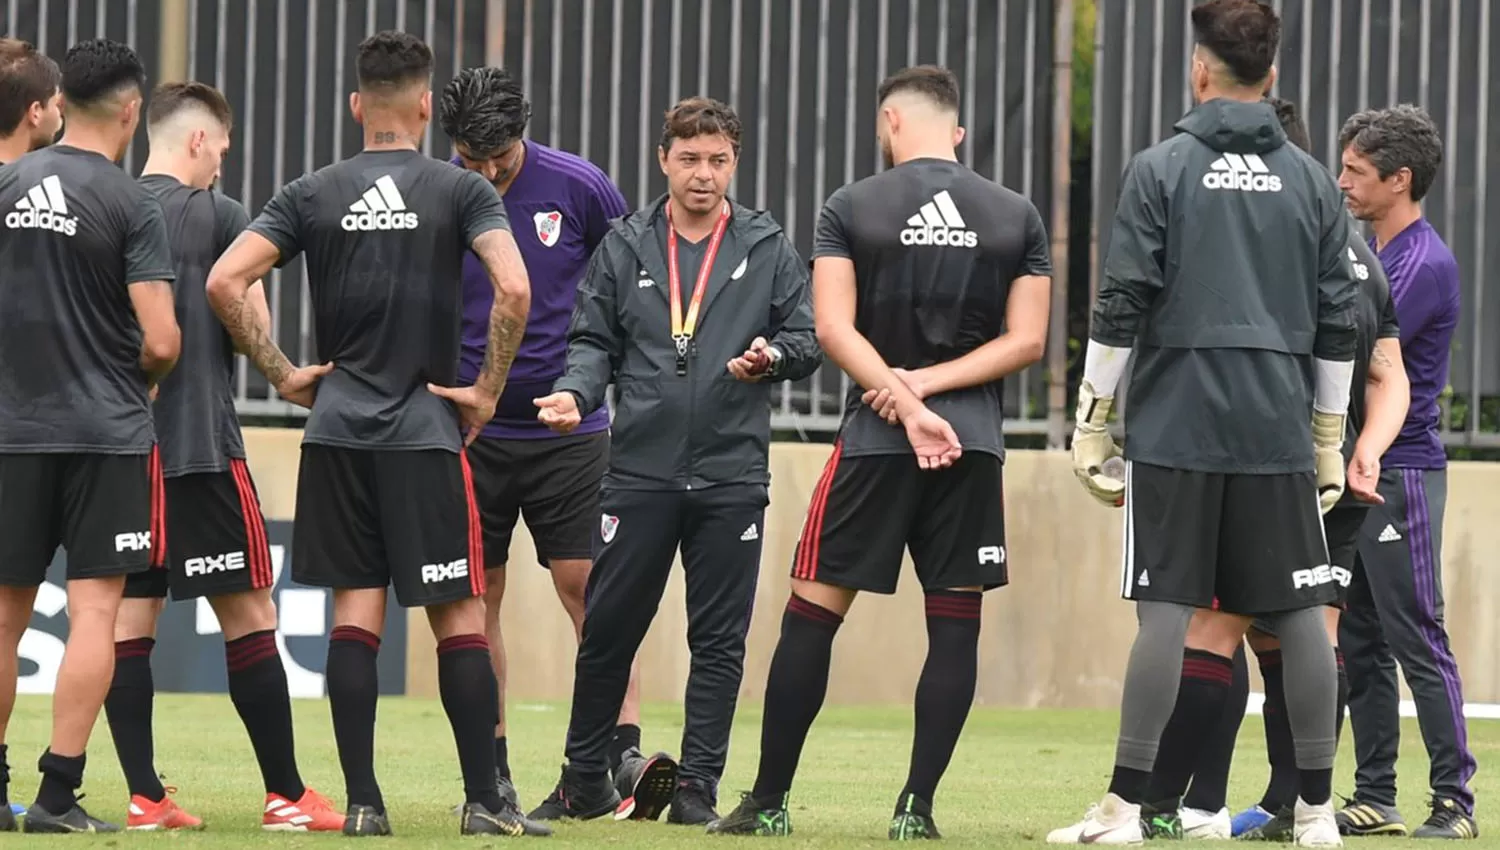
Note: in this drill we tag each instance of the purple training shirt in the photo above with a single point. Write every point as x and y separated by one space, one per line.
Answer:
559 206
1425 286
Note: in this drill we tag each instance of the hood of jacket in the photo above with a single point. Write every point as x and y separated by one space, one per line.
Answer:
1234 126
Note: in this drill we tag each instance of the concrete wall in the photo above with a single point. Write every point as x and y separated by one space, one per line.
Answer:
1057 636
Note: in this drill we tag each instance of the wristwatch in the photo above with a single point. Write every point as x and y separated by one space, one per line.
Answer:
775 354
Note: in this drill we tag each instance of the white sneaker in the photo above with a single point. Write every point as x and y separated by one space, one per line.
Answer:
1112 821
1205 826
1315 826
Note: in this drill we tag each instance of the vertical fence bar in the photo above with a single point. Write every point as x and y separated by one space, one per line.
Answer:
247 121
1481 235
1062 179
586 91
554 123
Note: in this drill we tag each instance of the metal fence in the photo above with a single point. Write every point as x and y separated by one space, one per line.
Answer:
1338 57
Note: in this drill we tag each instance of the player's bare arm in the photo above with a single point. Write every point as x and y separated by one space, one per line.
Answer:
256 299
1387 396
1023 343
161 338
248 260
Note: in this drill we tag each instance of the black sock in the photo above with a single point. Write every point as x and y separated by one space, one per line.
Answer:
795 688
945 691
466 683
4 774
1343 694
1210 787
1129 784
258 689
353 689
502 757
61 776
1204 689
627 735
1281 790
128 709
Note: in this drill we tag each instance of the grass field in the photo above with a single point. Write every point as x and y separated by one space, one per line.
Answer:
1016 775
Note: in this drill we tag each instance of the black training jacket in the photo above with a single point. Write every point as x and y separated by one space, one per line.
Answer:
1228 270
706 428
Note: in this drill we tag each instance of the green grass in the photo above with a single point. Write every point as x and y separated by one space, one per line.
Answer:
1016 774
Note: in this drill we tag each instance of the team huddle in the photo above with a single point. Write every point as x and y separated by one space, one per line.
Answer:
463 362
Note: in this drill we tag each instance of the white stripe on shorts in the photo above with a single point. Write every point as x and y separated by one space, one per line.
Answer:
1127 558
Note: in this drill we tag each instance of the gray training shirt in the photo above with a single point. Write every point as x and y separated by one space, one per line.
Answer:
385 234
196 425
75 232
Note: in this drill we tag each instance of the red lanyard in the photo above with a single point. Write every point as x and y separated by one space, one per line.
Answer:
682 330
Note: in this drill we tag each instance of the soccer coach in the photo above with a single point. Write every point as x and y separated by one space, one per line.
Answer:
692 307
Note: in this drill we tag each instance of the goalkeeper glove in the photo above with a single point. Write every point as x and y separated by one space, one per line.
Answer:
1093 447
1328 443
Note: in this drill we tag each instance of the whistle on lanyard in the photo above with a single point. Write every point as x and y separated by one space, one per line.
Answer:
681 341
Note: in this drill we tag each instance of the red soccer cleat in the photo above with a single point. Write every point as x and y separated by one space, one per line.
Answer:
146 815
312 813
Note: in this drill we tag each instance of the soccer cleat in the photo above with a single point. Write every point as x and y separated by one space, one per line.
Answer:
1447 821
362 820
507 790
1112 821
312 813
1206 826
75 819
147 815
692 804
1161 822
645 785
578 798
913 820
755 817
1251 818
477 820
1280 828
1358 817
1315 826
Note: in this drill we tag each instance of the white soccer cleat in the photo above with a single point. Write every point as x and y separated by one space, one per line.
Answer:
1112 821
1205 826
1315 826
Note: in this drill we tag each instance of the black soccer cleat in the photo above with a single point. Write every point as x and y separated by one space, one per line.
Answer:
1281 827
1447 821
768 817
1161 821
913 820
507 790
477 820
40 820
645 785
578 798
362 821
1359 817
692 804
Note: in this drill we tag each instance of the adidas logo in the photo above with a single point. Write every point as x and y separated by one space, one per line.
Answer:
1241 173
1389 535
1361 271
1145 580
381 208
938 223
751 533
43 208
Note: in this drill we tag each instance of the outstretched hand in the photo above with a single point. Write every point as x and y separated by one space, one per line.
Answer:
558 411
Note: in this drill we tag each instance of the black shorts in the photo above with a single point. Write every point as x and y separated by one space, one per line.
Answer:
1253 543
106 511
1341 527
376 518
218 538
553 483
866 511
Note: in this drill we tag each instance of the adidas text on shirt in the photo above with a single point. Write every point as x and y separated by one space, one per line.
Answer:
381 208
1241 173
43 208
938 223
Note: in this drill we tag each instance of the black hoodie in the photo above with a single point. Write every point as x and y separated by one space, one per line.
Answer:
1228 271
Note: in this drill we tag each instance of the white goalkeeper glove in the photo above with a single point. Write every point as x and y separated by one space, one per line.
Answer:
1328 443
1093 448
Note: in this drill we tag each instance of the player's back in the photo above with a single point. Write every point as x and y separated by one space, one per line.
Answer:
384 238
70 343
935 248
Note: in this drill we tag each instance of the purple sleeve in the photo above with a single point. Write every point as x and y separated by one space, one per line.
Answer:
1427 301
605 203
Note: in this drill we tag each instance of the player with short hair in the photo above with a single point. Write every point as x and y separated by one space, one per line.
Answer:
384 495
944 275
86 330
30 99
1390 159
564 204
217 534
1224 491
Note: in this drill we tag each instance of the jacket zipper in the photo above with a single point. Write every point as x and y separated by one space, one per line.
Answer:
692 409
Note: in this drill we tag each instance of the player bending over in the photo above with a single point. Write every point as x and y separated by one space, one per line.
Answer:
1228 272
384 494
920 266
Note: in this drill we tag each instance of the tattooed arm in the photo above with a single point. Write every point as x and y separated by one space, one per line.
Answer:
1387 396
502 259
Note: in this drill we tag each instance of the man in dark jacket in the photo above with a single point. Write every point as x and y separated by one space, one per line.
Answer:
692 307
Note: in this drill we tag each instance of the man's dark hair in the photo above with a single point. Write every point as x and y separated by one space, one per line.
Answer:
26 77
392 60
484 109
700 116
931 81
1243 34
1396 138
100 68
172 98
1291 122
